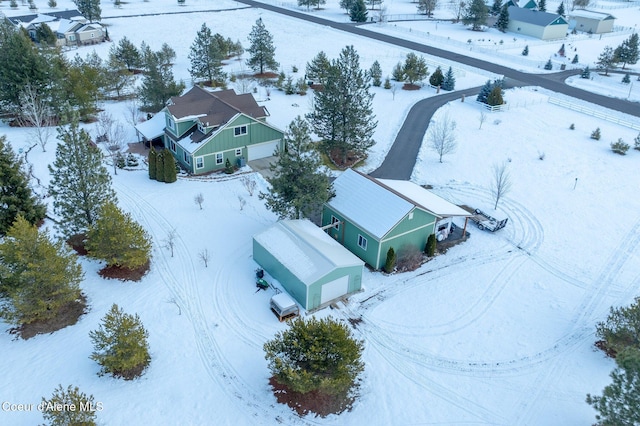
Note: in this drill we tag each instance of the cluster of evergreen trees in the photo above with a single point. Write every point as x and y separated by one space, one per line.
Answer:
444 81
207 52
162 166
492 93
626 53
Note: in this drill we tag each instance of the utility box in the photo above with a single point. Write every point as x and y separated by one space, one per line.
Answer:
284 307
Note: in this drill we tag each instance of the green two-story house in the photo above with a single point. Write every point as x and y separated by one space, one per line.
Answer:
204 129
371 215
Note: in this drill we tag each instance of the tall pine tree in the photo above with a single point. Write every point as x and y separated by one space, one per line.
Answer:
449 82
158 83
542 5
358 11
16 197
90 9
436 78
627 52
206 57
80 183
117 239
318 68
502 23
476 14
343 115
39 277
375 72
298 186
261 50
560 10
152 160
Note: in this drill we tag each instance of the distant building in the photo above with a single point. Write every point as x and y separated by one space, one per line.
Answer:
533 23
590 21
69 26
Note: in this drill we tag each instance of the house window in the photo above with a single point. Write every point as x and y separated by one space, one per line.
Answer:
92 35
410 215
72 37
187 158
219 158
171 124
238 152
172 145
199 162
239 131
362 242
335 220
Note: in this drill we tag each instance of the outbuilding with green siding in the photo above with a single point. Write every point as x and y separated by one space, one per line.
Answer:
370 217
312 267
204 129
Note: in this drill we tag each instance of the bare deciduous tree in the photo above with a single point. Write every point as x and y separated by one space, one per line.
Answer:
249 184
204 257
242 201
132 114
500 182
199 199
482 118
35 113
170 241
394 89
112 134
173 300
441 134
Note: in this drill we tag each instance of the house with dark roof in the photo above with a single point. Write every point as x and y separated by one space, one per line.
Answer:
533 23
368 216
69 26
204 129
526 4
590 21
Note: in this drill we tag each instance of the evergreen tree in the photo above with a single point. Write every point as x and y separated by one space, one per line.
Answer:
358 11
38 277
398 72
561 51
127 53
596 134
261 49
65 398
158 83
586 73
387 83
80 183
427 6
206 57
560 11
170 172
621 329
120 345
45 35
90 9
84 83
575 59
315 355
495 97
117 239
476 14
548 66
390 263
347 4
525 51
163 157
318 68
430 248
620 400
310 3
607 59
118 77
503 21
542 5
375 72
484 92
343 115
449 82
496 7
228 167
16 197
298 186
436 78
626 79
627 52
152 163
415 68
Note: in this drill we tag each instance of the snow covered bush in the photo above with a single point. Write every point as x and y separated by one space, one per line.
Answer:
84 412
620 147
596 134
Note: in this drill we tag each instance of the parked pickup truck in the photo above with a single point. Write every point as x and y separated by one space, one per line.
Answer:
485 221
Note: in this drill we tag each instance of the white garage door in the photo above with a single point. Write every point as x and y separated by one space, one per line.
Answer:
334 289
261 150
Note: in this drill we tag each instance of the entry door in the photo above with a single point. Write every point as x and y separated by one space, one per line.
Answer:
334 289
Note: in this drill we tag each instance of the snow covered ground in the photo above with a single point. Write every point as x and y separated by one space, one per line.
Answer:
498 331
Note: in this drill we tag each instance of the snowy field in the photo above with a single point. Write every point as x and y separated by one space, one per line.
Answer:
498 331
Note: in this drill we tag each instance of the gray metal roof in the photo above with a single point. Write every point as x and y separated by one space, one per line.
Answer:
535 17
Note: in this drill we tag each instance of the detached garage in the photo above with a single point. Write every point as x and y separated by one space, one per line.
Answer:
310 265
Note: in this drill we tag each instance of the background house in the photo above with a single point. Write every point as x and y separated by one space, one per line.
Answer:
69 26
309 264
205 129
589 21
525 4
542 25
374 217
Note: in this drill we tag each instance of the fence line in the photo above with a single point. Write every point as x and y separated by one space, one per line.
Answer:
594 113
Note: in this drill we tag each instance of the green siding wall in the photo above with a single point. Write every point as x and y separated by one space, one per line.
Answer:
347 235
315 290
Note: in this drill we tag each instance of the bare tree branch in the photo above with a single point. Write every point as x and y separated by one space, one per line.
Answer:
199 199
501 182
442 136
112 134
36 113
204 257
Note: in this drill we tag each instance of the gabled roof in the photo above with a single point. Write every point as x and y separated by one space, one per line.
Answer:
425 198
214 108
535 17
305 250
46 17
583 13
153 128
369 203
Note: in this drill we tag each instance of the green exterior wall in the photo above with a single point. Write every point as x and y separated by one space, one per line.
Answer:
408 232
308 297
223 140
